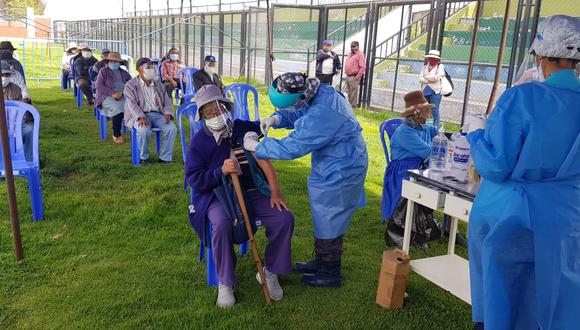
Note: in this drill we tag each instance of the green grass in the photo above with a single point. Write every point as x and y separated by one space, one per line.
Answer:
116 250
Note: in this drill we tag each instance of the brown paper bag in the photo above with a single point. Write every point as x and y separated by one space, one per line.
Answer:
393 279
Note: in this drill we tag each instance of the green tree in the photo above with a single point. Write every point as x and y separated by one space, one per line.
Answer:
18 7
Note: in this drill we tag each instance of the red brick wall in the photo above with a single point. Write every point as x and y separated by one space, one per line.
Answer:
17 29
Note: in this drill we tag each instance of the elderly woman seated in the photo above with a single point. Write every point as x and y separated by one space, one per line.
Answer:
410 148
215 152
110 86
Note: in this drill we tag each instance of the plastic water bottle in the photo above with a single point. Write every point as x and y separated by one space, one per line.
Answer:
461 154
438 151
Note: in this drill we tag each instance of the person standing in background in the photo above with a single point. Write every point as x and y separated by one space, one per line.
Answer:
327 63
354 67
431 76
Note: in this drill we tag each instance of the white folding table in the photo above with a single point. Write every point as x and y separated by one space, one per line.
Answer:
439 191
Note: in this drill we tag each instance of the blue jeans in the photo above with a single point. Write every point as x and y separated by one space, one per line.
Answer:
168 133
27 129
434 99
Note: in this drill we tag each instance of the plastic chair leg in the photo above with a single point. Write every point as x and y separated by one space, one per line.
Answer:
103 127
35 190
157 141
79 98
244 248
211 273
75 90
124 127
135 154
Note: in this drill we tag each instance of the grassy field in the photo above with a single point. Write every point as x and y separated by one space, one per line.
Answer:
116 250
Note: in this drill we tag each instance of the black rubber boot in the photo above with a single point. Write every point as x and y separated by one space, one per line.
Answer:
327 264
309 267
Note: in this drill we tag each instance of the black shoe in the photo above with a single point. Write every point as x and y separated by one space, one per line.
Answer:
309 267
91 102
165 161
144 161
319 281
327 275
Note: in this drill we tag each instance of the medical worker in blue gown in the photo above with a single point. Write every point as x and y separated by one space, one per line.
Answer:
325 126
524 229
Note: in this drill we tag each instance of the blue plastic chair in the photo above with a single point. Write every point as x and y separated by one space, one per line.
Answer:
187 93
389 126
103 124
240 92
72 76
15 112
135 152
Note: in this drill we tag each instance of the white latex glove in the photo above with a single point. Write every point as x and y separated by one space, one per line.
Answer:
251 141
473 123
269 122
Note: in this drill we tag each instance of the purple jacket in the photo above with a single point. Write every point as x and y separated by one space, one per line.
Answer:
106 83
203 169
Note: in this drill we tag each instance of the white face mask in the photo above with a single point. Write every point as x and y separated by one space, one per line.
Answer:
217 124
5 81
173 57
86 54
209 69
150 74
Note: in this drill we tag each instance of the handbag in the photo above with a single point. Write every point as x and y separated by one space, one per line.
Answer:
446 85
226 195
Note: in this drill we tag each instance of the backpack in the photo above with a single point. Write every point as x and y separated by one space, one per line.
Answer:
447 86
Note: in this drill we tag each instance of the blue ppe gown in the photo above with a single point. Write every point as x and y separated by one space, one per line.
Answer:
327 129
410 146
524 228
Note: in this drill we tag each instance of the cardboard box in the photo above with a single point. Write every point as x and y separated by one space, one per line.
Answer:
393 279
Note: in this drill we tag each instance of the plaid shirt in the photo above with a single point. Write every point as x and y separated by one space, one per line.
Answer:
170 69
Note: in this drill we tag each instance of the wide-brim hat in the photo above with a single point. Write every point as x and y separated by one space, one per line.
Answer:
6 45
115 57
433 53
415 103
84 46
207 94
71 46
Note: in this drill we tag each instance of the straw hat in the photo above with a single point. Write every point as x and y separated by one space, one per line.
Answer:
433 53
415 103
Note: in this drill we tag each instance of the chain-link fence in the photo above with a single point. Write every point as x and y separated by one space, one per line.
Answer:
394 35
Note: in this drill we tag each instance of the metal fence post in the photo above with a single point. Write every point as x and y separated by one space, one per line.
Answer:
221 44
202 41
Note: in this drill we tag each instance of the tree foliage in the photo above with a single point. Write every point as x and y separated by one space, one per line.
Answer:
18 7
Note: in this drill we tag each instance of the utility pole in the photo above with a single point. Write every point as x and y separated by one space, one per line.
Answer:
167 7
135 7
122 8
9 175
181 9
150 12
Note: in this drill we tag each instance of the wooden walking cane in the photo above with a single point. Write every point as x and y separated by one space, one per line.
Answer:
255 253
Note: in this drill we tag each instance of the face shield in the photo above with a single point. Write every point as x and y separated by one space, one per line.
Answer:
529 70
217 117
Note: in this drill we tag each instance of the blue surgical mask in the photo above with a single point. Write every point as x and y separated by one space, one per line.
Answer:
114 66
429 122
173 57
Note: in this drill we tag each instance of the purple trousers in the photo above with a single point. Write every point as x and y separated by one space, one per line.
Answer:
279 227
